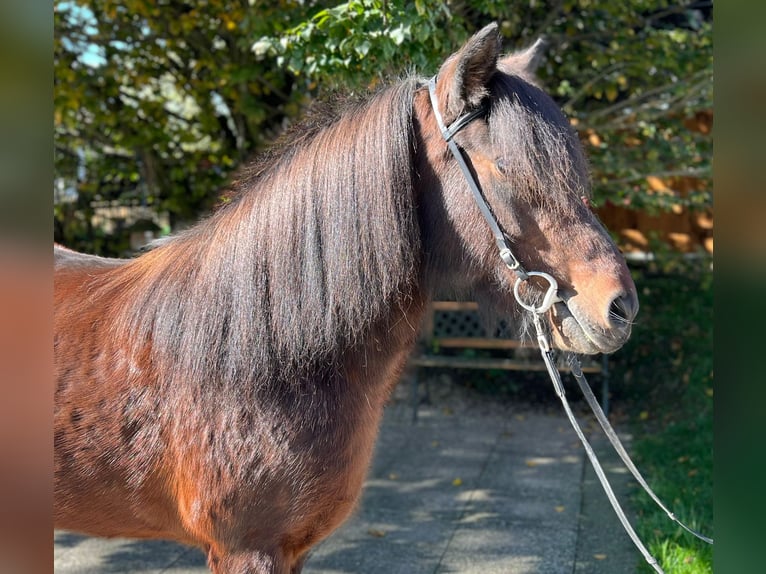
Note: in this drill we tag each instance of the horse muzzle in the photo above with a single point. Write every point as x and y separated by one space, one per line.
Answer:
581 328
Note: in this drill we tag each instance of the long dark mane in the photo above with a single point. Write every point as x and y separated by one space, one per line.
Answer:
311 252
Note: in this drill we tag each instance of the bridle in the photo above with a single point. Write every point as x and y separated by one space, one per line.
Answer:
551 296
510 260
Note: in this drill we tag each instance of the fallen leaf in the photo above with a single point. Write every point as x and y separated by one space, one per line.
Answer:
559 509
530 463
643 415
457 482
599 556
376 533
393 476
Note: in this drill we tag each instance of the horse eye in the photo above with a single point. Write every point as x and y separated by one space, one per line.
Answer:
501 166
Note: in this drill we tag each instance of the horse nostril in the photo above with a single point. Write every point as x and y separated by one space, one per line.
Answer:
622 309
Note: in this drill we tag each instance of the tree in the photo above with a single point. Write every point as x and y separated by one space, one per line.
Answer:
635 78
161 101
157 102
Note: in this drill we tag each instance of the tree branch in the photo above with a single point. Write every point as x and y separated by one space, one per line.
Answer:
638 98
702 172
589 84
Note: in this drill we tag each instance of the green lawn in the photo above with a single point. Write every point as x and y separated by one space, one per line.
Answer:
664 379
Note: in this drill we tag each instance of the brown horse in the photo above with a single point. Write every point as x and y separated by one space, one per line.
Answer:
225 388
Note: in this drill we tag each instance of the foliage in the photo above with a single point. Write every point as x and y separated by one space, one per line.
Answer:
666 371
364 41
160 101
635 96
632 77
157 102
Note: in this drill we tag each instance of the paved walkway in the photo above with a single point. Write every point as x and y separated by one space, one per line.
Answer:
473 487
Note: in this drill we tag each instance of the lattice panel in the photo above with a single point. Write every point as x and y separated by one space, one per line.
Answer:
467 323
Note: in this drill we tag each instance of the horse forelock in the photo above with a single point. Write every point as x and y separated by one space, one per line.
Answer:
541 150
315 249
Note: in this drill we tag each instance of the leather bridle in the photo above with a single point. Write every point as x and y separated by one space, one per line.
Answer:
506 254
551 296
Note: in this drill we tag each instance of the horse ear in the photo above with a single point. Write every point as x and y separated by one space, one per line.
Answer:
463 78
524 63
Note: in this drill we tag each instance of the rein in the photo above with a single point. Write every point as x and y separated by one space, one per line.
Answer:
551 296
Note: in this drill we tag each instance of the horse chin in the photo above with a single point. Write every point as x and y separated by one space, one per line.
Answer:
572 331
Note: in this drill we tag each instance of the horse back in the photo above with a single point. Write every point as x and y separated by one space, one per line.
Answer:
65 258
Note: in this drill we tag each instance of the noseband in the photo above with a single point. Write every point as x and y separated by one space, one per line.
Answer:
510 260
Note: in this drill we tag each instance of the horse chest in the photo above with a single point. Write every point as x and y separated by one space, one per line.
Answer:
279 476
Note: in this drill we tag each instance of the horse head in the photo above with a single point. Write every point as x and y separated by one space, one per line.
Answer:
532 176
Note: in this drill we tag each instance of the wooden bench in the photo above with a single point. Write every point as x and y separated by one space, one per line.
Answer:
453 327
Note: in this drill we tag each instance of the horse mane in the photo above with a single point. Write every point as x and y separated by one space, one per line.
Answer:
320 240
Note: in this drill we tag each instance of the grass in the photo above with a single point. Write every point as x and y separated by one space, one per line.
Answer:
664 379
